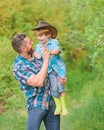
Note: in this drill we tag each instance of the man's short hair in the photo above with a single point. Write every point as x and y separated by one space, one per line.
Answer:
18 41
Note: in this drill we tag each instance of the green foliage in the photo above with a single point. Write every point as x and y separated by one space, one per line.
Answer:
86 116
86 112
6 78
76 80
97 61
91 110
13 120
81 36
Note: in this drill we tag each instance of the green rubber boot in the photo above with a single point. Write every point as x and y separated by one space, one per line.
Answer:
58 106
64 106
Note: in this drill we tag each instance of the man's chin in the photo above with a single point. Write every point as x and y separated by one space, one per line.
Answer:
31 52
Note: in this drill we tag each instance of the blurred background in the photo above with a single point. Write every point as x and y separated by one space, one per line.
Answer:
80 25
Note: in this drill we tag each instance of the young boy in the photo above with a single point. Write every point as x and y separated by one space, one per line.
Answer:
46 34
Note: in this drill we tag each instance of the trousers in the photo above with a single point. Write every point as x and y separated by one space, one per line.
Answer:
56 88
37 115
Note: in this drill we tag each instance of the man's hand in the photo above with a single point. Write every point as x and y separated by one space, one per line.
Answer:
45 53
62 80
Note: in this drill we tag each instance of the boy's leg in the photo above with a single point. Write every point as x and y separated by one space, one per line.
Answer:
55 92
51 121
35 117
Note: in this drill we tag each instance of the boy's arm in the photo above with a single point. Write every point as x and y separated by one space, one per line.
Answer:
54 52
55 48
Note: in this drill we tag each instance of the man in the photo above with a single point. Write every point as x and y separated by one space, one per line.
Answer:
34 82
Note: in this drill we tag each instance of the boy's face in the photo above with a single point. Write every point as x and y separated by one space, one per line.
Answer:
43 38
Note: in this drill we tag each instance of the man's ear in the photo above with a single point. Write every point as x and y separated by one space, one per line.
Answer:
23 48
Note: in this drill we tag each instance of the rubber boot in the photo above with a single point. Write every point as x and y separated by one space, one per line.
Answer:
58 106
64 106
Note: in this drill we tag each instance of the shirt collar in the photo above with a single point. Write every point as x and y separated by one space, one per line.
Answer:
48 43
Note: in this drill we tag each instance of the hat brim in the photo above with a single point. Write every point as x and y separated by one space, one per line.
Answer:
51 28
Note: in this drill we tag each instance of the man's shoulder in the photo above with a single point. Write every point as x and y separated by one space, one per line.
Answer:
18 62
17 59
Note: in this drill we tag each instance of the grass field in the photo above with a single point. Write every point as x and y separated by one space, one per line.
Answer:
80 26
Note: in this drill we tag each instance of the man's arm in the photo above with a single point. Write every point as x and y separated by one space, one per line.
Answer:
38 79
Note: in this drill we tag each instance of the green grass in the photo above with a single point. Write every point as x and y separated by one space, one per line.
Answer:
13 120
79 24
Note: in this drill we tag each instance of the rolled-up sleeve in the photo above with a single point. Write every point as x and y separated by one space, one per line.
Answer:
55 45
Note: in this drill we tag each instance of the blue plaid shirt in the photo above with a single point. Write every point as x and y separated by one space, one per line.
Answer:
35 97
56 63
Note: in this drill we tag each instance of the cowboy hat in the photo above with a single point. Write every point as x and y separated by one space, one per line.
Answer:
42 25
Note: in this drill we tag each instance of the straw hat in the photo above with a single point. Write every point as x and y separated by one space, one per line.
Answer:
42 25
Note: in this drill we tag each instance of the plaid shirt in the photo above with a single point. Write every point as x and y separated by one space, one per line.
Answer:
35 96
